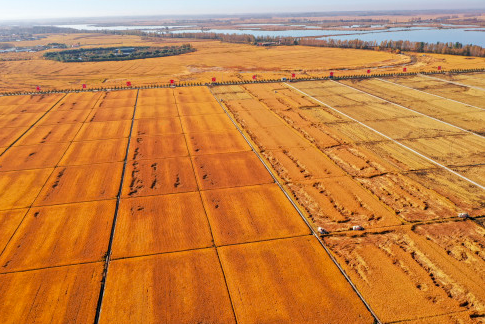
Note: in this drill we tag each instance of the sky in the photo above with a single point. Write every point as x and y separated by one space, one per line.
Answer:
40 9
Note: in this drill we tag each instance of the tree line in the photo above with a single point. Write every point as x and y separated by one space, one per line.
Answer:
387 45
116 54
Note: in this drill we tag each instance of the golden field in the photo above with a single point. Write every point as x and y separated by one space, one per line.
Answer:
199 231
212 59
415 259
159 187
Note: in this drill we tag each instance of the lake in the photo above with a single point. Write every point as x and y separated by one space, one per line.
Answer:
465 35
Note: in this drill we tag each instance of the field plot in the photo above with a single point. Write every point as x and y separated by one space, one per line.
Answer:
77 233
113 114
473 79
289 280
203 108
463 94
19 120
18 189
159 111
9 221
185 287
257 213
229 170
150 225
60 117
158 177
56 295
431 273
192 95
216 142
104 130
155 127
9 135
154 147
32 157
465 196
91 152
206 123
50 134
91 182
446 110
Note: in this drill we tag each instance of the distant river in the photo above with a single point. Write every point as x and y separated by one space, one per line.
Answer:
467 35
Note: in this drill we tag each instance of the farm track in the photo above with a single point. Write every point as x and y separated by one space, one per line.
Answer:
171 243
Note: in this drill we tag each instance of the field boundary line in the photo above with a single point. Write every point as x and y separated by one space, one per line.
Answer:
115 217
214 245
453 82
393 140
428 93
302 215
415 111
31 126
47 179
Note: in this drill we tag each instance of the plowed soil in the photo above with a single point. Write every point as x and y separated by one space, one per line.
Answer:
159 177
32 157
189 285
77 233
91 182
246 214
230 170
290 280
41 297
150 225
